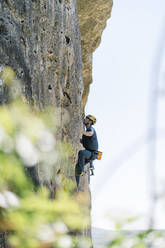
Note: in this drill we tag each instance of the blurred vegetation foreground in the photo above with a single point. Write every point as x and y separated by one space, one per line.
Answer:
32 213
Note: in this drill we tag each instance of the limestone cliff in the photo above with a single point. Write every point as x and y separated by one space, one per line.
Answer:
41 41
93 15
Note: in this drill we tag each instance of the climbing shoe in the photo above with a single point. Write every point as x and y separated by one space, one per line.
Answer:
82 174
91 171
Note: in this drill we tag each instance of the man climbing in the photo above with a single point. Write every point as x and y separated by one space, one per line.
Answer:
90 143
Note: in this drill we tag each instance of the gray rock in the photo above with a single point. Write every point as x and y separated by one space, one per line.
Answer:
41 41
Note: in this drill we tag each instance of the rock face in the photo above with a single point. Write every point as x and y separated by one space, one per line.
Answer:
40 40
93 15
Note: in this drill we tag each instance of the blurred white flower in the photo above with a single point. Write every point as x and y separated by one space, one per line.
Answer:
46 233
65 242
8 199
3 202
46 141
11 199
60 227
26 150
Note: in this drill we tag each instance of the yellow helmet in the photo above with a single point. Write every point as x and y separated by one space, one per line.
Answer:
92 118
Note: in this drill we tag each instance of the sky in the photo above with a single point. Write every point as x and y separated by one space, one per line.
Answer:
124 66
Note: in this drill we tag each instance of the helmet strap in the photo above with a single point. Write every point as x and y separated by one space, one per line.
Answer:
88 125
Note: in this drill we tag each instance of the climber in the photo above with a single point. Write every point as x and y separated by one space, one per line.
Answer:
90 143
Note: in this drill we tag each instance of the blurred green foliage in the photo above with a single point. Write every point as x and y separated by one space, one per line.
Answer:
138 239
27 140
135 239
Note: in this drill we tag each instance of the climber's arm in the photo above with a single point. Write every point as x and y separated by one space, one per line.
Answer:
88 133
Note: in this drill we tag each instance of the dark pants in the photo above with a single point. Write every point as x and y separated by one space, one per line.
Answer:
83 158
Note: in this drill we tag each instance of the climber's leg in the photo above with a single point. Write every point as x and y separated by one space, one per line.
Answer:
82 156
